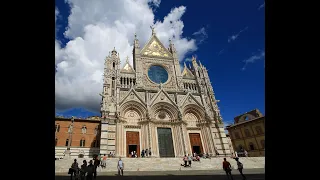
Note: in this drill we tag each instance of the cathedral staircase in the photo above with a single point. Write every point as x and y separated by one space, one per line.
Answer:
164 164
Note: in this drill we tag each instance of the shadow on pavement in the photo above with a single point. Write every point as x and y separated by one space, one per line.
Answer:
171 176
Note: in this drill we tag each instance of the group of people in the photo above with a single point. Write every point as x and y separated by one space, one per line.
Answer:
88 171
187 159
145 153
227 168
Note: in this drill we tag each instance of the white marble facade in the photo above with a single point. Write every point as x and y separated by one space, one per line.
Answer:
133 101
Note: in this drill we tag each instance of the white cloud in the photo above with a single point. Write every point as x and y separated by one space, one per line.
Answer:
235 36
253 59
201 34
261 6
95 27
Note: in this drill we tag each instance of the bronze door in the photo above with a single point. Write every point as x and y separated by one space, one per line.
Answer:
133 142
165 142
195 142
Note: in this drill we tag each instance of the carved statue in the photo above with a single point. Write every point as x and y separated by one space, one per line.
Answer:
179 115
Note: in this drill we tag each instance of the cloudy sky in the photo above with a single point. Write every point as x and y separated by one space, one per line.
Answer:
226 36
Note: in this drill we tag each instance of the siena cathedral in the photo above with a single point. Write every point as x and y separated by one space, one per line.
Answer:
154 105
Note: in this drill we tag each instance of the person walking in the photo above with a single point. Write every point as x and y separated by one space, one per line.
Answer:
120 167
240 168
227 168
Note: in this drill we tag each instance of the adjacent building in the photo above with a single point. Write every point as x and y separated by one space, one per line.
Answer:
82 136
248 133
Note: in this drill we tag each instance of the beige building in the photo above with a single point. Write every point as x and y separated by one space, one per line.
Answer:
154 104
230 144
247 133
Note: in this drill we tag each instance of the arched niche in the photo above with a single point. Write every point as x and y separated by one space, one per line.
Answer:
193 114
132 111
164 111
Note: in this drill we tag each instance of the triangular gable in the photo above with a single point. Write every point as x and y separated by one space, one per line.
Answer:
127 68
158 98
155 48
186 73
132 95
192 100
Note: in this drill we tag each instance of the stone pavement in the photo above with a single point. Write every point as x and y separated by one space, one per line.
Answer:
251 174
165 164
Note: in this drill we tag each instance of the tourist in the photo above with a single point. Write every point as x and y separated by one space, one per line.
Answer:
110 155
74 169
120 167
142 153
150 152
227 168
104 161
83 170
132 154
245 153
146 152
189 159
90 170
185 160
240 168
96 165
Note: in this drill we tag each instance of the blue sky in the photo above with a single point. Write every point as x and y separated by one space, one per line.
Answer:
229 39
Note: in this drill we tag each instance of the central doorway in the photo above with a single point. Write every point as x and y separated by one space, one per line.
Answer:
132 142
195 142
165 142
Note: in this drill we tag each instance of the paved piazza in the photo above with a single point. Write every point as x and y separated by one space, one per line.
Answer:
251 174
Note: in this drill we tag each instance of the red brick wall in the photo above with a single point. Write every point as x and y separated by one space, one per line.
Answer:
77 135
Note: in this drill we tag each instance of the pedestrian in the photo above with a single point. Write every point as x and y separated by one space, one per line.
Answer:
189 159
96 165
150 152
74 168
120 166
146 152
90 170
245 153
83 170
227 168
104 161
240 168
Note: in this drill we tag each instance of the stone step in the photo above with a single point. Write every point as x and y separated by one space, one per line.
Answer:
164 164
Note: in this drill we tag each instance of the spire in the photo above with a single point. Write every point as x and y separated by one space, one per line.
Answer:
114 52
135 35
153 31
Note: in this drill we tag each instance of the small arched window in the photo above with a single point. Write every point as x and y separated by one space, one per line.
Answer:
251 146
56 141
114 65
82 142
84 129
67 142
247 132
57 127
258 129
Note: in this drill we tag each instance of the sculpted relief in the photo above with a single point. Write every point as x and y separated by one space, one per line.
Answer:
155 49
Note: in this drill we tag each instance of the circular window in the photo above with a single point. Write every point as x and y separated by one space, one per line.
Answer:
157 74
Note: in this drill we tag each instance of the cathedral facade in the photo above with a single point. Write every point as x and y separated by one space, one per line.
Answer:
156 105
